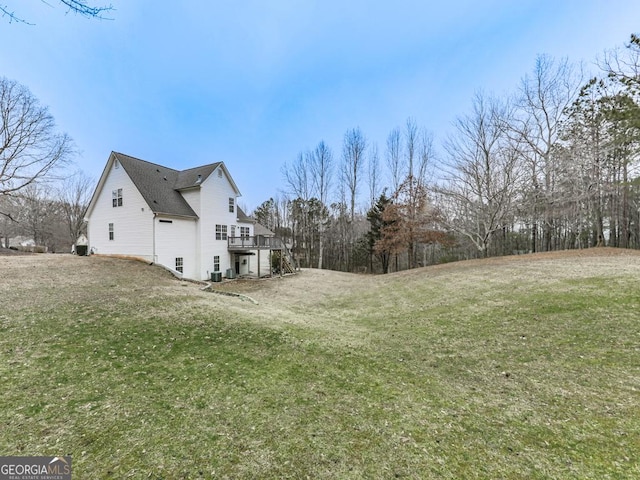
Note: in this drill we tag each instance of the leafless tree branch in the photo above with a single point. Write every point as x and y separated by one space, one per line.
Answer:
79 7
30 147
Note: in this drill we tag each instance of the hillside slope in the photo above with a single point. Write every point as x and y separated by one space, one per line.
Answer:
517 367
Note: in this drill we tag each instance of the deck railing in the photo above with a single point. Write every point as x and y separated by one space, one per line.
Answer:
254 242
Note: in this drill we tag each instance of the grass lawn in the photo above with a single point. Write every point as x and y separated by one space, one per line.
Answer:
524 367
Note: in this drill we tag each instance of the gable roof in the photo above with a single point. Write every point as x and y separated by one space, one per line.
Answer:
243 217
259 229
156 184
194 176
160 186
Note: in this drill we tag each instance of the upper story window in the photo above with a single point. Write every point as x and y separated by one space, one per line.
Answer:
221 232
232 204
116 197
244 231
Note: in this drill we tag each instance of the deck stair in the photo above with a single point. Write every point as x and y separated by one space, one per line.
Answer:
283 257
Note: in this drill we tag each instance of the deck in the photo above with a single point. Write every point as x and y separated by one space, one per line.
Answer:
256 242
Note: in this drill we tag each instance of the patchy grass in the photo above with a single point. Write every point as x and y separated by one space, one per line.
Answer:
526 367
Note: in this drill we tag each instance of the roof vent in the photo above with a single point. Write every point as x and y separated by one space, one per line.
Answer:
199 179
165 178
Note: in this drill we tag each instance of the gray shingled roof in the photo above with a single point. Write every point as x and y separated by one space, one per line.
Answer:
243 217
158 184
259 229
189 178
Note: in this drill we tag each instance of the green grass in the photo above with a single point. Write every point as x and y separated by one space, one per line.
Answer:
465 374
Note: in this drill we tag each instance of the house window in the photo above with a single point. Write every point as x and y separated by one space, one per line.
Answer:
232 232
111 237
221 232
232 203
244 231
179 264
216 263
116 197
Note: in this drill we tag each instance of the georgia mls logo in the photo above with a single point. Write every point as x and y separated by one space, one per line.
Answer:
59 464
35 468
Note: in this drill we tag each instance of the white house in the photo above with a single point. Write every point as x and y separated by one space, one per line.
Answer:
188 221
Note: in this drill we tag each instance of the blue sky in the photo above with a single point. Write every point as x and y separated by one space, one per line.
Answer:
253 83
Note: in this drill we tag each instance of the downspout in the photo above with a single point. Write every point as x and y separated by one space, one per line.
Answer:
153 254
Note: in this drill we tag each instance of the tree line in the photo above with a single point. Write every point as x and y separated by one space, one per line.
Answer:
39 199
552 166
48 214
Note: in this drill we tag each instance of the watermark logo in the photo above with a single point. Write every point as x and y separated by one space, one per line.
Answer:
35 468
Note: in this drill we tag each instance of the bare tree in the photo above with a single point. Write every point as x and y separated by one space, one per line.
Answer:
374 174
542 102
299 186
353 162
74 195
425 157
624 65
412 192
321 166
297 177
80 7
409 190
394 158
477 199
353 157
38 214
321 163
411 146
8 224
30 147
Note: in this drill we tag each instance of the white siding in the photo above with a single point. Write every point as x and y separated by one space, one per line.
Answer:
176 237
132 222
137 232
215 192
265 263
249 264
192 197
244 224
